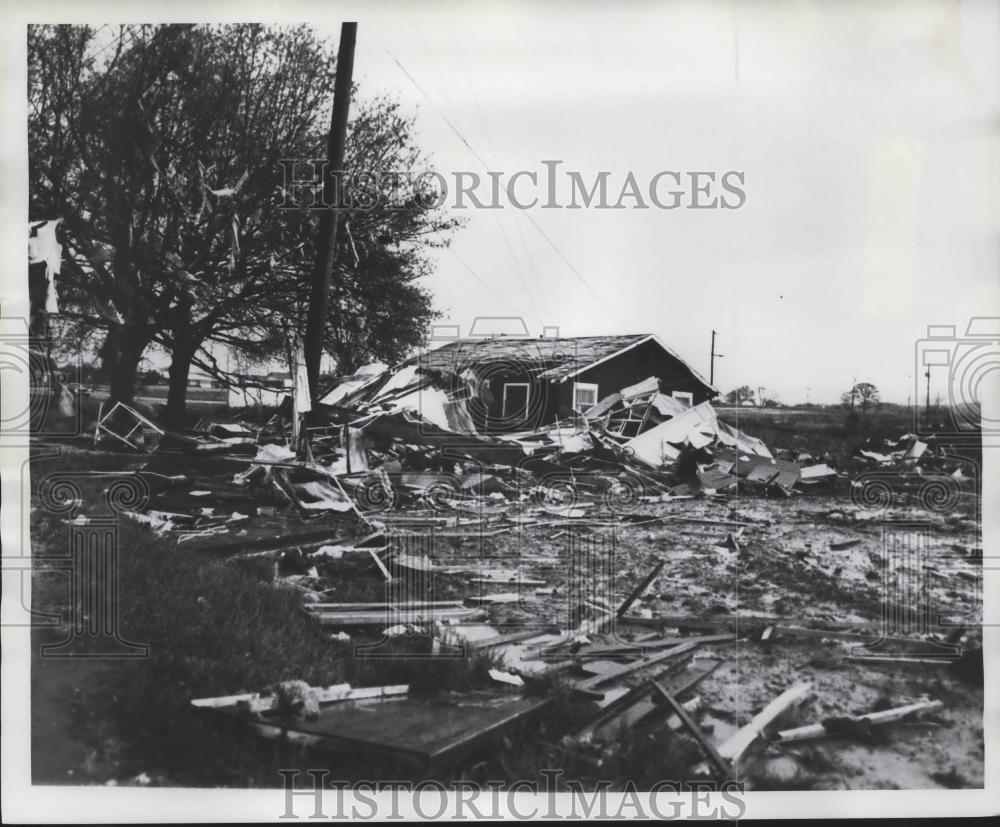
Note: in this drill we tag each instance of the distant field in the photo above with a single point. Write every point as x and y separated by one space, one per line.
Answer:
767 413
833 430
157 394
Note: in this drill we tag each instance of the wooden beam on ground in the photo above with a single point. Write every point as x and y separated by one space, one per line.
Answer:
638 704
380 564
734 747
942 661
406 617
587 686
692 727
886 716
748 623
638 591
324 695
515 637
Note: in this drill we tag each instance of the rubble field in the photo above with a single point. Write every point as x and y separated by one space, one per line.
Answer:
642 581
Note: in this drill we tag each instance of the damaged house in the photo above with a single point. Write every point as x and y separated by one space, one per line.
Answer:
509 385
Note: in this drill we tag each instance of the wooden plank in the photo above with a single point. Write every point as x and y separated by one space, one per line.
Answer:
520 581
637 649
415 604
886 716
639 704
692 727
380 564
324 695
423 731
734 747
749 623
705 640
638 591
502 640
623 669
503 597
394 618
597 667
944 660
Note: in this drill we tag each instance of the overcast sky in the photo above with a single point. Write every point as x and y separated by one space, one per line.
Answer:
867 134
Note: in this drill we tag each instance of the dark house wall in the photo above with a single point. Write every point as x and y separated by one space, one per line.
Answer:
632 366
549 401
487 411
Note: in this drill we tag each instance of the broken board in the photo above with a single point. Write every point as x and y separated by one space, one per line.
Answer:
427 732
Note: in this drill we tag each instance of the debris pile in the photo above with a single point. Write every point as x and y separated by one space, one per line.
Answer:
393 515
408 446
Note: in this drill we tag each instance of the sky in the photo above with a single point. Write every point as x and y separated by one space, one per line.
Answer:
867 135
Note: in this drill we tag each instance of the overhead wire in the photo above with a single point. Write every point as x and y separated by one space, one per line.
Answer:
580 277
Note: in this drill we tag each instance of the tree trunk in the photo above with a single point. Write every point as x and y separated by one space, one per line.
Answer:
180 368
122 352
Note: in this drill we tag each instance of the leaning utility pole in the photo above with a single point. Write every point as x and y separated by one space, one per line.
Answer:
319 296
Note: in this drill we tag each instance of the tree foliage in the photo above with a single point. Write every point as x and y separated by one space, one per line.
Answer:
864 394
161 148
741 396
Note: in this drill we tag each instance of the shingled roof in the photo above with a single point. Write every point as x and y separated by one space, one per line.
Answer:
553 358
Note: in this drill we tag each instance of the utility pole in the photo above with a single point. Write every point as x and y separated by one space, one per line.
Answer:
711 363
927 408
319 295
807 396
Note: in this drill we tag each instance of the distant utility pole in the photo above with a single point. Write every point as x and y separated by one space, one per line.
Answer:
711 364
807 396
319 295
927 408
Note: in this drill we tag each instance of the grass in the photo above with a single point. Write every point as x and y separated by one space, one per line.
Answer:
218 627
818 431
213 628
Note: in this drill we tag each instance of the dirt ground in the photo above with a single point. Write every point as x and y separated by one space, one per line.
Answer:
756 561
786 570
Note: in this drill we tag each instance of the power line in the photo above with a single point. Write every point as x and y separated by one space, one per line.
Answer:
517 266
485 166
475 275
531 263
489 143
461 137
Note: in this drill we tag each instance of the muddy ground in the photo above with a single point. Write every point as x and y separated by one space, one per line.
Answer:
784 568
818 561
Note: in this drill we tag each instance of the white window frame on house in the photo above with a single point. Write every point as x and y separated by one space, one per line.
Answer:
584 386
684 396
527 396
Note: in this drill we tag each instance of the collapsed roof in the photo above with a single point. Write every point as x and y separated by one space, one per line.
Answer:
552 360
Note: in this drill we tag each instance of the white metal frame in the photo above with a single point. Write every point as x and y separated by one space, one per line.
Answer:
684 396
584 386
